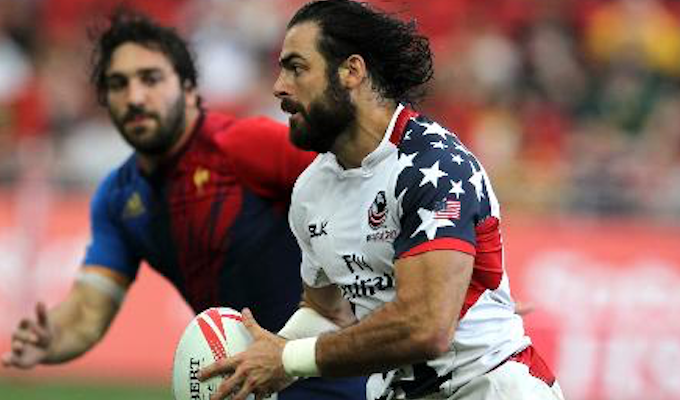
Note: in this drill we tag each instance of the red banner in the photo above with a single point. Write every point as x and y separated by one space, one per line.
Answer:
606 297
608 304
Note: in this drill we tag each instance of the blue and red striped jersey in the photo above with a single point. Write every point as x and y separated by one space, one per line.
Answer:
212 220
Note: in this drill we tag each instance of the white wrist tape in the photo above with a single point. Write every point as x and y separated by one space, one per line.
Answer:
103 284
306 322
299 357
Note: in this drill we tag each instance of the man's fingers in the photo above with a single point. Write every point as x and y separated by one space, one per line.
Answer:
13 359
29 331
42 335
250 323
24 323
25 336
7 359
228 386
219 367
18 346
41 313
33 333
243 393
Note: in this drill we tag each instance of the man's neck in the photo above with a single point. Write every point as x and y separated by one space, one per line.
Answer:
365 136
149 163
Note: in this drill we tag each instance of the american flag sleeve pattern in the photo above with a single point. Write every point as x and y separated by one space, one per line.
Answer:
441 188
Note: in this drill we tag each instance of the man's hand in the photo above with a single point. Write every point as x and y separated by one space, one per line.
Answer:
30 341
257 370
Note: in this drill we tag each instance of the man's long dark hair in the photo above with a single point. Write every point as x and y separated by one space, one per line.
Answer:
125 26
398 58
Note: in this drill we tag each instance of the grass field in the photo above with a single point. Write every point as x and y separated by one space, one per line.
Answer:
57 390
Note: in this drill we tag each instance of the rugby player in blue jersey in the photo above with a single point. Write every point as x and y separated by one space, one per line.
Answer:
203 200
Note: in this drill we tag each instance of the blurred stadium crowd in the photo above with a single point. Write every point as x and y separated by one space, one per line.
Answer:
573 105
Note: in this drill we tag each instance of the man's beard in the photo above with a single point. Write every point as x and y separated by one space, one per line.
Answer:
328 117
167 132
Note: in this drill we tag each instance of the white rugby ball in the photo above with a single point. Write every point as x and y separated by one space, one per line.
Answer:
213 334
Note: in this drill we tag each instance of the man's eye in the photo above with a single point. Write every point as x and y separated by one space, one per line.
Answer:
115 84
151 79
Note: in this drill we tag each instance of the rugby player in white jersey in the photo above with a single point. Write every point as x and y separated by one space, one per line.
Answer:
399 229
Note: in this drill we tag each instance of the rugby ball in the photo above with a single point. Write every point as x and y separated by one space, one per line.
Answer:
211 335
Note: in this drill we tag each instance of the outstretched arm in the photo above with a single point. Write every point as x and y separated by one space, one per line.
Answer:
73 326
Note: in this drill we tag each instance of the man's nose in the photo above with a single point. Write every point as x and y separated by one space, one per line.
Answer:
135 93
279 88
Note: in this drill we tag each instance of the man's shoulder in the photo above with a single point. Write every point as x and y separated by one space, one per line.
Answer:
432 158
214 122
123 175
117 186
426 139
238 133
218 123
421 132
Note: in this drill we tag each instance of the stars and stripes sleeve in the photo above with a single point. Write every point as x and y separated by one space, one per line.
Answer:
441 191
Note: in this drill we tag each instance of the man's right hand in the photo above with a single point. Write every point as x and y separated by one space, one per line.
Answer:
30 341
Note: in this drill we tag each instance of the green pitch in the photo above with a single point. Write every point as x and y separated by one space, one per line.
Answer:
56 390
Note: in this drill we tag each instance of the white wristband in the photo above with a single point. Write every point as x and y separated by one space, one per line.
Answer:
299 357
102 283
306 322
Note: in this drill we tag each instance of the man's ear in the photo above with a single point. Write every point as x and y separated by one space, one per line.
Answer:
190 94
352 71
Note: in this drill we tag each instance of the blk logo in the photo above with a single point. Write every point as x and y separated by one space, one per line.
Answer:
316 230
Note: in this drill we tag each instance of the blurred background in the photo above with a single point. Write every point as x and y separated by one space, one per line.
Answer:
572 105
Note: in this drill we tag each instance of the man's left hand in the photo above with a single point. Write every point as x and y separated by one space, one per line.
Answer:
257 370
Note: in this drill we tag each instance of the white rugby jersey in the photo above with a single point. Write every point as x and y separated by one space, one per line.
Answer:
419 190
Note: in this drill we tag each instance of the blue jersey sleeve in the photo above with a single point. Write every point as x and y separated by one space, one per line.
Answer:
108 247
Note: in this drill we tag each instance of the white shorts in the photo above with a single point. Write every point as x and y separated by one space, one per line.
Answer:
522 376
510 381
